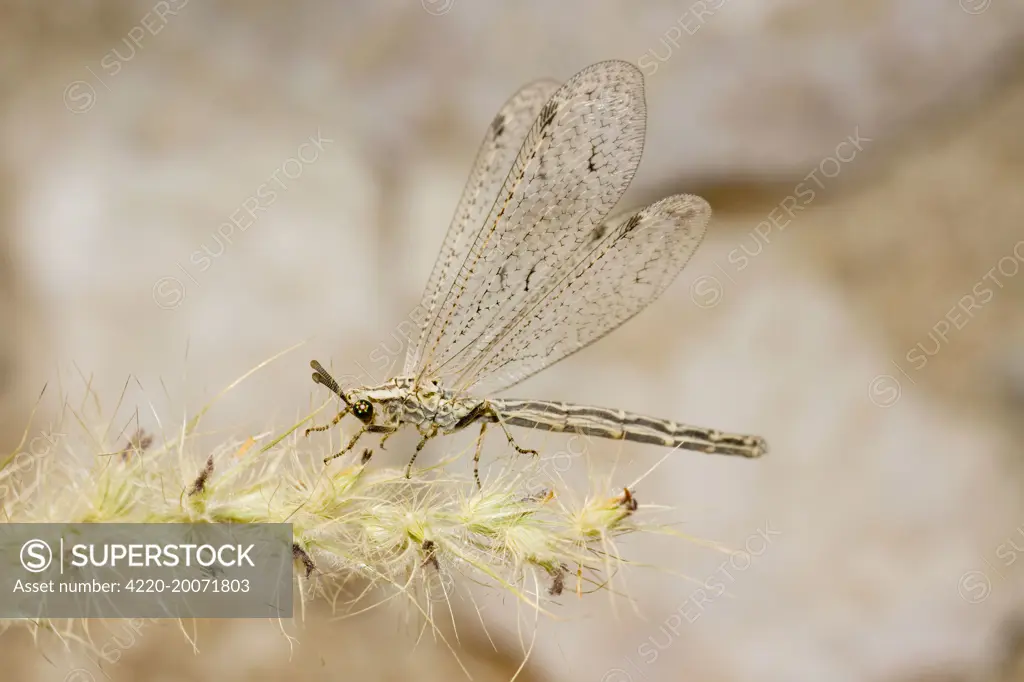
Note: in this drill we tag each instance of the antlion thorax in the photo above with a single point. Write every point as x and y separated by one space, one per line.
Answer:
401 400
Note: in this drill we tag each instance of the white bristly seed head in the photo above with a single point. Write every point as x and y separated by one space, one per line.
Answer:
354 522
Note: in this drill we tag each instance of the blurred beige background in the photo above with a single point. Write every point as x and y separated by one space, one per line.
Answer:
839 329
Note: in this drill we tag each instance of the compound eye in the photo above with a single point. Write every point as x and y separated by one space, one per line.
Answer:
363 410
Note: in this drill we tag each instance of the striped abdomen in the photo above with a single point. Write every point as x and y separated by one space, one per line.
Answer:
621 425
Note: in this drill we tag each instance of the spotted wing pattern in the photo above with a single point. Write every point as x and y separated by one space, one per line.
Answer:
502 142
576 161
630 261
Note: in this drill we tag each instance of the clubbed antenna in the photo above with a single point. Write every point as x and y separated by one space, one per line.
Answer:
324 378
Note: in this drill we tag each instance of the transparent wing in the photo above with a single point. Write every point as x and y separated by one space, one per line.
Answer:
576 161
630 261
502 142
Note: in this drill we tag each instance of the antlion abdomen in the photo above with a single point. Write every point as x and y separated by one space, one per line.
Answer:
622 425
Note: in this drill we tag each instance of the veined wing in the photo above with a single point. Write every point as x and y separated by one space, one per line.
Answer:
576 161
502 142
630 261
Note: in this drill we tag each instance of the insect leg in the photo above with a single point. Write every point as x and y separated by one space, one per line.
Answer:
387 431
351 444
334 422
476 456
424 437
511 441
484 413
